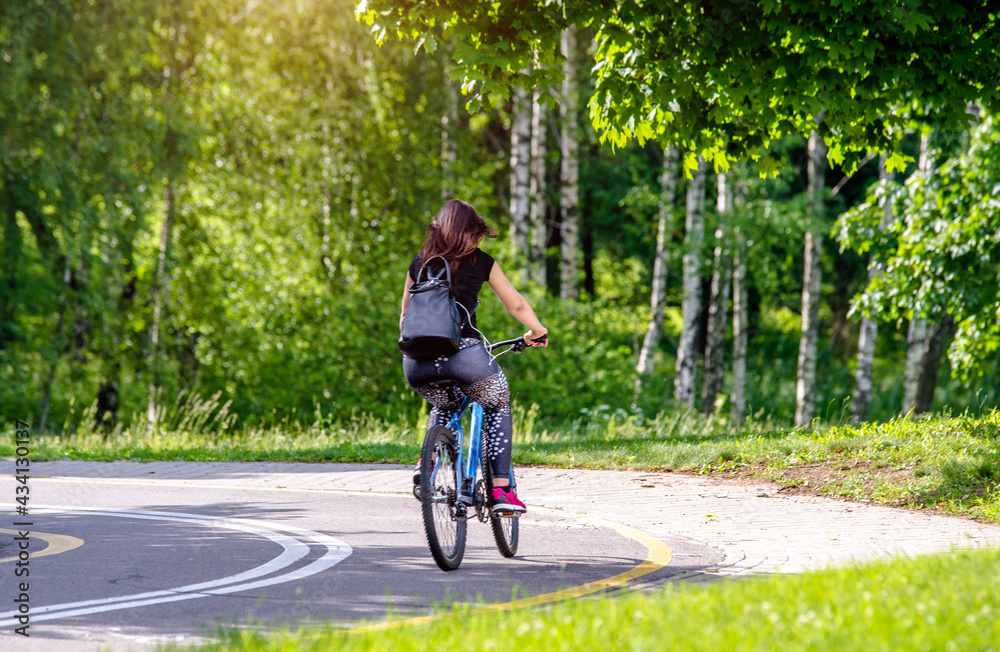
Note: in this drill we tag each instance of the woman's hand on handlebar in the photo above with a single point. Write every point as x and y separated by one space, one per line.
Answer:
531 338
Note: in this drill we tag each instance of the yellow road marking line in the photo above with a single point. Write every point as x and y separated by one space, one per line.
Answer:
658 556
57 543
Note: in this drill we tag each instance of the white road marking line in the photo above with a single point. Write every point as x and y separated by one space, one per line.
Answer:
293 551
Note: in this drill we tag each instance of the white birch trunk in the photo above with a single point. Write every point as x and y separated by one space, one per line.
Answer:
916 339
449 130
539 228
805 386
161 284
687 361
520 160
869 330
661 264
938 334
719 300
737 398
917 336
569 284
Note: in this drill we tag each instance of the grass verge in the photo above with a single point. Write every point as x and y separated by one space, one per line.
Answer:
942 602
951 464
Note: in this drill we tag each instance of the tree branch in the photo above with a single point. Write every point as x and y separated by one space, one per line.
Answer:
848 177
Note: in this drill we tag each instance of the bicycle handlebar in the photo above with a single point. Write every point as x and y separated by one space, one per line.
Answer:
516 345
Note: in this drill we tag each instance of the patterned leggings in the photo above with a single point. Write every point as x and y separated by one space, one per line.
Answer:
480 379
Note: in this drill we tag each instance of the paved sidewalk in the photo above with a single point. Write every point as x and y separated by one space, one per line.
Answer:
756 529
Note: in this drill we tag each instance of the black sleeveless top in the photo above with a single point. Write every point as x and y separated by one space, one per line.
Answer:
466 282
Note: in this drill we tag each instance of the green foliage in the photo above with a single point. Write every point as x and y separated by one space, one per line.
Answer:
727 80
77 146
941 255
303 164
589 360
298 155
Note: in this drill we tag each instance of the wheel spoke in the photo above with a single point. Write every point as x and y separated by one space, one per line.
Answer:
445 532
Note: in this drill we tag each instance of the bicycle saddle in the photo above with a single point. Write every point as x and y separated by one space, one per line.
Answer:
443 383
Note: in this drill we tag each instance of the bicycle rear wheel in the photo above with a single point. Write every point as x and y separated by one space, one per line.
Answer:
444 516
504 527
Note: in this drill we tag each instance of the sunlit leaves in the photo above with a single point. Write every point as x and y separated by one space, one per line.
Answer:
737 71
897 162
941 255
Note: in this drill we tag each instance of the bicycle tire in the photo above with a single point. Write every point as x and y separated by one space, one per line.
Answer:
505 528
445 531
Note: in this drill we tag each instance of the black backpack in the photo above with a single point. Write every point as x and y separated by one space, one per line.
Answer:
432 326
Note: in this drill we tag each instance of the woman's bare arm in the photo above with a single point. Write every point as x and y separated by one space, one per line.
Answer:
406 298
516 304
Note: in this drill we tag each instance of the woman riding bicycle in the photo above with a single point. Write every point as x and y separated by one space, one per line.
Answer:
455 235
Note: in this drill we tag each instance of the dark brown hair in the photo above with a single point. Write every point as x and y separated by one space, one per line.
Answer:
455 233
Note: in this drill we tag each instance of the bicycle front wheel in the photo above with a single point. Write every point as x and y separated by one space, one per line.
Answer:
504 527
444 518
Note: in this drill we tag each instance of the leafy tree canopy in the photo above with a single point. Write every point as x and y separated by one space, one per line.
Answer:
725 79
941 256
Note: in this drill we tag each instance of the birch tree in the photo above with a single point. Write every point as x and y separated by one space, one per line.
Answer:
449 135
718 302
938 334
805 385
661 264
737 398
520 161
539 155
687 353
916 337
174 70
569 196
869 327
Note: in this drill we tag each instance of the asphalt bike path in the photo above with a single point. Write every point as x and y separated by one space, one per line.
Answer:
128 555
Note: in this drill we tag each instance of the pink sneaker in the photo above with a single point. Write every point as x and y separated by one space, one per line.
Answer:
506 501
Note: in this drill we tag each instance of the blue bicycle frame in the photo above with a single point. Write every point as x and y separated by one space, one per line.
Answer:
469 458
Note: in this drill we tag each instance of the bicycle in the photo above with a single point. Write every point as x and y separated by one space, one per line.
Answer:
450 485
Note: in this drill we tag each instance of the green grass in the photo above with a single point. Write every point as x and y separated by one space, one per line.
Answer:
202 430
948 463
942 602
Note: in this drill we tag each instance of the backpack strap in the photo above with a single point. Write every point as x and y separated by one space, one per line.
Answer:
451 290
430 274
